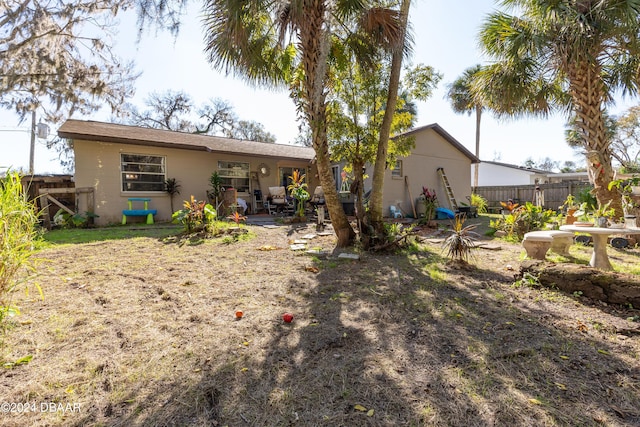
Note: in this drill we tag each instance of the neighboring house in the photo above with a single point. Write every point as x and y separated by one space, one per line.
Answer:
568 177
434 148
121 162
499 174
495 173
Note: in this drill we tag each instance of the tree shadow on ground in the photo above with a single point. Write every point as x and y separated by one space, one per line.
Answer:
399 340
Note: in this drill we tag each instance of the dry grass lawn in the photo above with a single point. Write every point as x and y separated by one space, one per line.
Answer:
142 332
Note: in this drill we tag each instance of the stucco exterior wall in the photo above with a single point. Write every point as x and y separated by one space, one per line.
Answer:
98 166
419 169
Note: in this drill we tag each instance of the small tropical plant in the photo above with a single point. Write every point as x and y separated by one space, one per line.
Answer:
64 219
237 218
430 202
18 233
461 241
605 211
625 186
479 202
583 213
509 205
172 188
586 197
215 194
298 190
195 215
523 219
569 203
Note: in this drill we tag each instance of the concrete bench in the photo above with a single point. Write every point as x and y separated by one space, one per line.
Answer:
537 243
149 213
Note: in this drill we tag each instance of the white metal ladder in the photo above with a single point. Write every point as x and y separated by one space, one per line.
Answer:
447 187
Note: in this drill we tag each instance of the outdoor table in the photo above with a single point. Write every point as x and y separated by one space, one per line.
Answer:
599 257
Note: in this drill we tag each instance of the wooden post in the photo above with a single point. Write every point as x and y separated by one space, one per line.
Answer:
413 204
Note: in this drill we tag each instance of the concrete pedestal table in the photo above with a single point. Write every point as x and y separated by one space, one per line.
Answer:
599 258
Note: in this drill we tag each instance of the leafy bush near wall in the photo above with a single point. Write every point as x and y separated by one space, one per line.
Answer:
523 219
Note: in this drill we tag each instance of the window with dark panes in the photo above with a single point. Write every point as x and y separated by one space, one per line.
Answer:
396 172
234 174
142 172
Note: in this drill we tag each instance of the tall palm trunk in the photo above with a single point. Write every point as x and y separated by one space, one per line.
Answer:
375 204
587 90
314 40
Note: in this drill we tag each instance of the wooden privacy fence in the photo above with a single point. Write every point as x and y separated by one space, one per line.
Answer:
58 190
554 194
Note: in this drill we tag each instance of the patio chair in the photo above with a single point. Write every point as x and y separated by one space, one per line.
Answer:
277 200
395 212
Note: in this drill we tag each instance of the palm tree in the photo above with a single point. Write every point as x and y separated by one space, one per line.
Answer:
171 187
377 187
465 100
565 54
276 43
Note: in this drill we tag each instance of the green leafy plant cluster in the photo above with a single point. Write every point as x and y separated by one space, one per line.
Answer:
430 201
586 197
64 219
195 216
527 280
215 194
393 231
479 202
298 190
522 219
18 234
625 186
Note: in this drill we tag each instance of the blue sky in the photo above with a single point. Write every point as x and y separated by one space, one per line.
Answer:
445 33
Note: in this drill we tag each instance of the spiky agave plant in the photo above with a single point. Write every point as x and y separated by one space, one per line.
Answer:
461 241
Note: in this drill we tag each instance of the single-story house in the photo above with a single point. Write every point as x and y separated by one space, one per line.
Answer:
121 162
499 174
434 149
496 173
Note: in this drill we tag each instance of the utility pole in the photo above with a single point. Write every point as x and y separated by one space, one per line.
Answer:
33 141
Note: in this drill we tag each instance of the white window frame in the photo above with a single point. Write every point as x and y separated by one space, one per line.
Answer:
133 181
396 172
231 172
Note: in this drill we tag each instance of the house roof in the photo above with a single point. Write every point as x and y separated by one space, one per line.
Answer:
443 133
521 168
134 135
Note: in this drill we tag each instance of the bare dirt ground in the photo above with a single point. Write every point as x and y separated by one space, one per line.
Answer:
142 332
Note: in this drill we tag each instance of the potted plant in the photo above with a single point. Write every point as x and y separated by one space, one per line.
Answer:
430 201
571 207
582 217
603 214
630 204
298 190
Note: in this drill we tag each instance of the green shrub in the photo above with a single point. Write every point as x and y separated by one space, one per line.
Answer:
64 219
195 216
586 196
479 202
18 233
523 219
